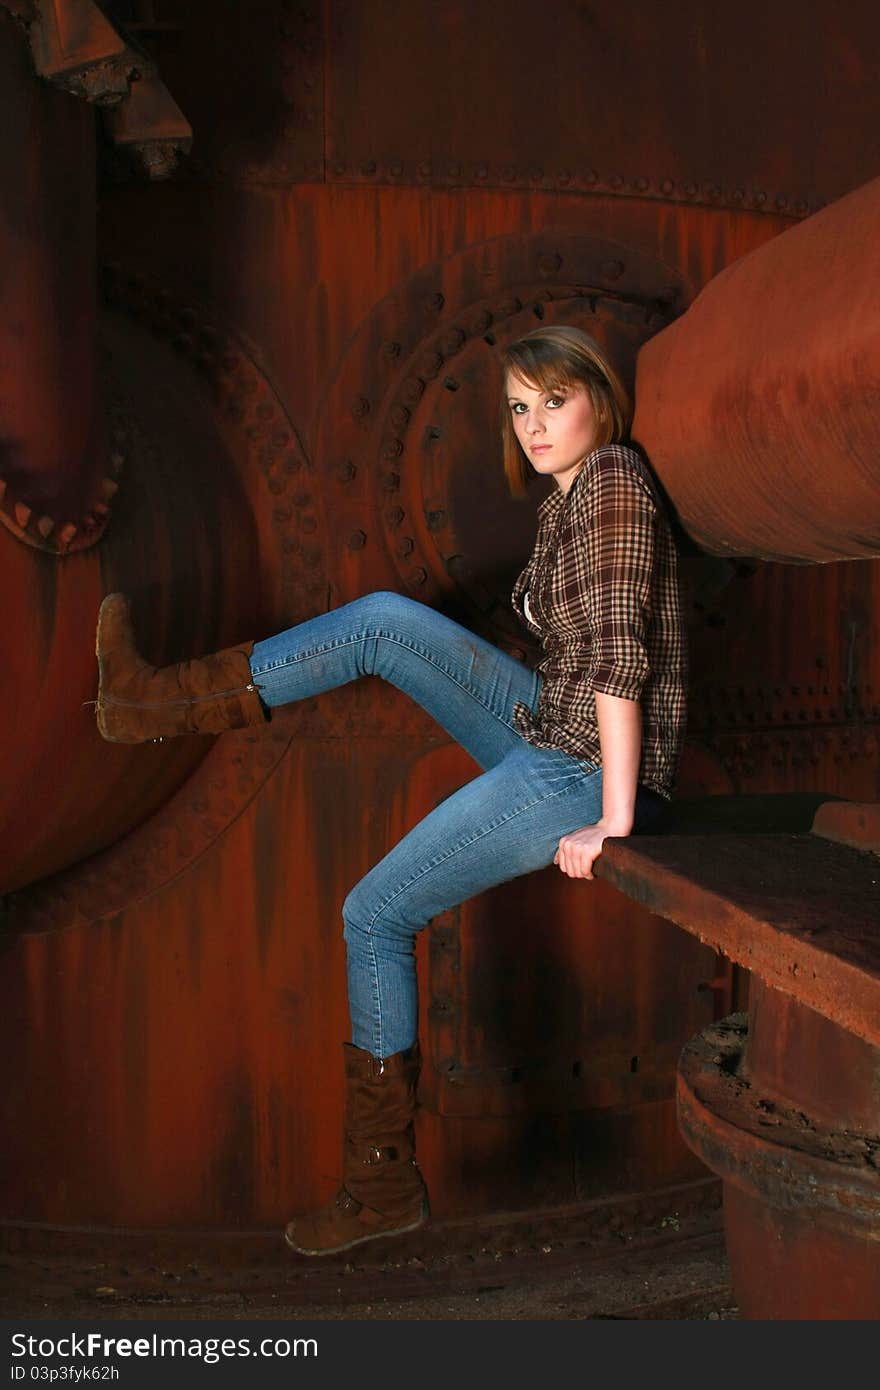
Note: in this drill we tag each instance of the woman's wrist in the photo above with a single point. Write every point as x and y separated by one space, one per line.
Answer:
617 824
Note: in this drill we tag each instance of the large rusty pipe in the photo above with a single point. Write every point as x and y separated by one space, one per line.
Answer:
760 406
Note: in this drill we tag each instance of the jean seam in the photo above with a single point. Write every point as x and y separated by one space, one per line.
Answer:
390 637
456 849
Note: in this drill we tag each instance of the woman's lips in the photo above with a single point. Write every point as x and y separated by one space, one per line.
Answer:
539 448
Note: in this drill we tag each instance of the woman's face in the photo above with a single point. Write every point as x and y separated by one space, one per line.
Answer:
556 429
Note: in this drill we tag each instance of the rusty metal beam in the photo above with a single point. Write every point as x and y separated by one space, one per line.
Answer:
800 912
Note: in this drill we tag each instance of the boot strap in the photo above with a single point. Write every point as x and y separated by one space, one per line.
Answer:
396 1148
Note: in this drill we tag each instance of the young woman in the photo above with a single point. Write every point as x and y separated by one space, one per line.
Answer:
582 747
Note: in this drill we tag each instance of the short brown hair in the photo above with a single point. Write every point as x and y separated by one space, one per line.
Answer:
555 356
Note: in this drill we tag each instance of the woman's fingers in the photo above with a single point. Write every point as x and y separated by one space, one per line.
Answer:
577 853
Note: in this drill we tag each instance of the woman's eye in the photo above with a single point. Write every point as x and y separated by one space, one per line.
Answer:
518 408
554 402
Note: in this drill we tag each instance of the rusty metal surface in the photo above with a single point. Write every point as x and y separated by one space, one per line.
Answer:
633 79
785 1266
799 912
849 823
759 407
801 1196
810 1064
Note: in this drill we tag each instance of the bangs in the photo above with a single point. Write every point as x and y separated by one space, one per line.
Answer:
543 371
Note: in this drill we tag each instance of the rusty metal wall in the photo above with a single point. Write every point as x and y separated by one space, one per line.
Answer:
299 331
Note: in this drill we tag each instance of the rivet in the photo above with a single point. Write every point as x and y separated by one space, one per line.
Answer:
760 197
394 516
615 181
419 576
395 168
550 262
453 170
801 206
45 526
436 519
413 389
590 176
508 307
405 546
738 195
307 523
360 407
536 174
346 471
357 540
391 350
303 499
22 514
481 171
277 486
368 166
392 448
66 534
508 173
563 177
424 168
641 184
690 189
435 302
339 168
612 270
713 190
391 481
400 417
101 510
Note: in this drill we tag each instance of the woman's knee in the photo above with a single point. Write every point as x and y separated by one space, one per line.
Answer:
384 609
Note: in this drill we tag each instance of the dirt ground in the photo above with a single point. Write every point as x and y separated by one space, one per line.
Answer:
554 1266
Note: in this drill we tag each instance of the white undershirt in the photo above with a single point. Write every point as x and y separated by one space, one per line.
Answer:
526 609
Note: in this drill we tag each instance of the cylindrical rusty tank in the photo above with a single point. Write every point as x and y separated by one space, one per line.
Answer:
284 397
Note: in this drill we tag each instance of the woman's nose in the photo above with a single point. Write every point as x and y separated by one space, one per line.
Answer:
535 425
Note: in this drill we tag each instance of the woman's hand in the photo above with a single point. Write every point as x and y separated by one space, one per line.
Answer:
578 851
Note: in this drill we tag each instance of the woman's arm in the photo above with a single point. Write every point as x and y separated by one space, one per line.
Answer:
620 738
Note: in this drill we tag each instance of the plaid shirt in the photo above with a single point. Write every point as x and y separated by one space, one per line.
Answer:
602 586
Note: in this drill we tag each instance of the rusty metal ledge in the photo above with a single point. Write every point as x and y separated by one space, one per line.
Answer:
800 912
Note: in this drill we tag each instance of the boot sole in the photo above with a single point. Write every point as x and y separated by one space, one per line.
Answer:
423 1216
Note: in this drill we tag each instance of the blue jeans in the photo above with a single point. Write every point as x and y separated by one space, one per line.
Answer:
505 823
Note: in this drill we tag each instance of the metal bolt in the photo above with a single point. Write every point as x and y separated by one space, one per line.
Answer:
641 184
590 176
357 540
360 407
392 448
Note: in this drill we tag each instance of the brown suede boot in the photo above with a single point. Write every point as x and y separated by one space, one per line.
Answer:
383 1192
137 702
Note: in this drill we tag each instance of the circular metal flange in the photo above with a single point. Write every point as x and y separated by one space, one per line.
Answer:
775 1153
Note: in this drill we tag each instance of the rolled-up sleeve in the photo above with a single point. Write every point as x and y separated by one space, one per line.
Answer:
615 543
